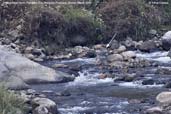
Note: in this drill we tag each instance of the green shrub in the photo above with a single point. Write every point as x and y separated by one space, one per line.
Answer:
133 18
83 22
10 103
72 14
53 29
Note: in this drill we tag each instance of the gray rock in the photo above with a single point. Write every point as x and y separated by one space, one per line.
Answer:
119 64
166 41
23 69
41 110
121 49
99 46
164 98
115 57
128 55
147 46
15 83
114 45
129 78
37 52
30 56
44 106
3 72
129 43
154 110
126 78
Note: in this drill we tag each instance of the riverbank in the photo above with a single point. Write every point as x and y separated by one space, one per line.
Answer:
127 73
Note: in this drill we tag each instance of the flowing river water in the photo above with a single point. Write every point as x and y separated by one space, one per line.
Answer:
88 94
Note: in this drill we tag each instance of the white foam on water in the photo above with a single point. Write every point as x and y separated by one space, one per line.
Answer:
73 110
138 84
152 55
86 79
87 60
121 104
160 56
163 59
85 103
78 109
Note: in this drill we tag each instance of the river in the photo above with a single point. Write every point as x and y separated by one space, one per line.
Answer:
88 94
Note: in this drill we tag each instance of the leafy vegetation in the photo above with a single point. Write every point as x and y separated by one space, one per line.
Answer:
64 27
52 27
132 18
72 14
10 103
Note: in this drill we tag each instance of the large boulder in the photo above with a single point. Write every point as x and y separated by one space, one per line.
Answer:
21 71
16 83
166 41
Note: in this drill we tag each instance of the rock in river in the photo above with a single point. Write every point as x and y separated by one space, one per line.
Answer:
115 57
164 98
44 106
18 71
154 110
128 55
166 41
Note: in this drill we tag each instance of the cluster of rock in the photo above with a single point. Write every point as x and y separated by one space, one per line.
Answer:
37 103
164 100
37 53
17 72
